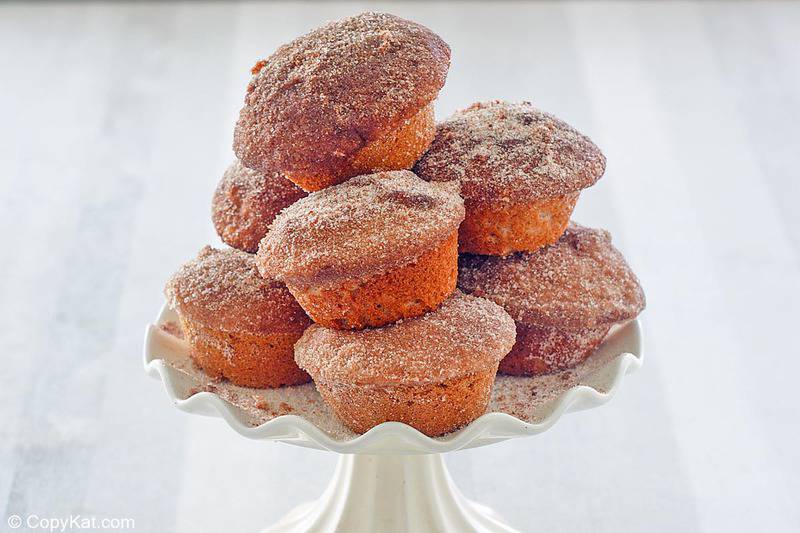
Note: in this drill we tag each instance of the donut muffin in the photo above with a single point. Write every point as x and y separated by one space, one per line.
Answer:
434 372
246 202
564 297
352 97
239 325
367 252
520 171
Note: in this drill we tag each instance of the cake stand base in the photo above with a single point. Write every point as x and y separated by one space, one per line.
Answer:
390 493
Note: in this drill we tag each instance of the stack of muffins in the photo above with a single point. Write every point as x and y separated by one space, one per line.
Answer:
346 211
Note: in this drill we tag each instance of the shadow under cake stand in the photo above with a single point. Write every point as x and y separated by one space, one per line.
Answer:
392 478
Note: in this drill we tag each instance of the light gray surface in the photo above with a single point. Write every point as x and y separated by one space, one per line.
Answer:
115 124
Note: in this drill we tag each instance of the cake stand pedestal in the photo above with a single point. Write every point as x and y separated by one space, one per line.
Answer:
392 478
390 493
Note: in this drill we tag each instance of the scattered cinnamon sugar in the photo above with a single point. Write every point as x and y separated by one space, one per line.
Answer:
580 282
282 409
464 336
361 227
529 399
172 328
207 387
502 151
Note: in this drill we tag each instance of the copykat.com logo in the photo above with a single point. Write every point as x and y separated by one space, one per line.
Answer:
34 522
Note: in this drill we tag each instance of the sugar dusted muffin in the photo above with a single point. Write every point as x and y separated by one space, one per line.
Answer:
434 373
564 297
351 97
370 251
239 325
520 170
246 202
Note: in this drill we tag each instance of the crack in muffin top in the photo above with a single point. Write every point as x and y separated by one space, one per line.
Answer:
360 228
246 202
581 281
464 336
315 102
222 289
501 151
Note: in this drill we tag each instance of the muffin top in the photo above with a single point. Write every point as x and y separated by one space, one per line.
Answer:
246 202
464 336
362 227
581 281
314 103
222 289
502 151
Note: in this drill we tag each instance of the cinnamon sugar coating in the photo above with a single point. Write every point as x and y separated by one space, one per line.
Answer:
464 336
222 289
510 152
246 202
542 350
364 227
579 282
320 99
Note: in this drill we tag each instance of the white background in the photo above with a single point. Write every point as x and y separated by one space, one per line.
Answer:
116 123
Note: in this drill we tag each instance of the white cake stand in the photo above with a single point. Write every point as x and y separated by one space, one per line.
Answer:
392 478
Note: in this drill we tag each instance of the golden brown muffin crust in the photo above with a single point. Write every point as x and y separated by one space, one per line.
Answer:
408 291
246 202
501 151
222 289
500 228
318 100
432 408
581 281
465 335
365 226
246 359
